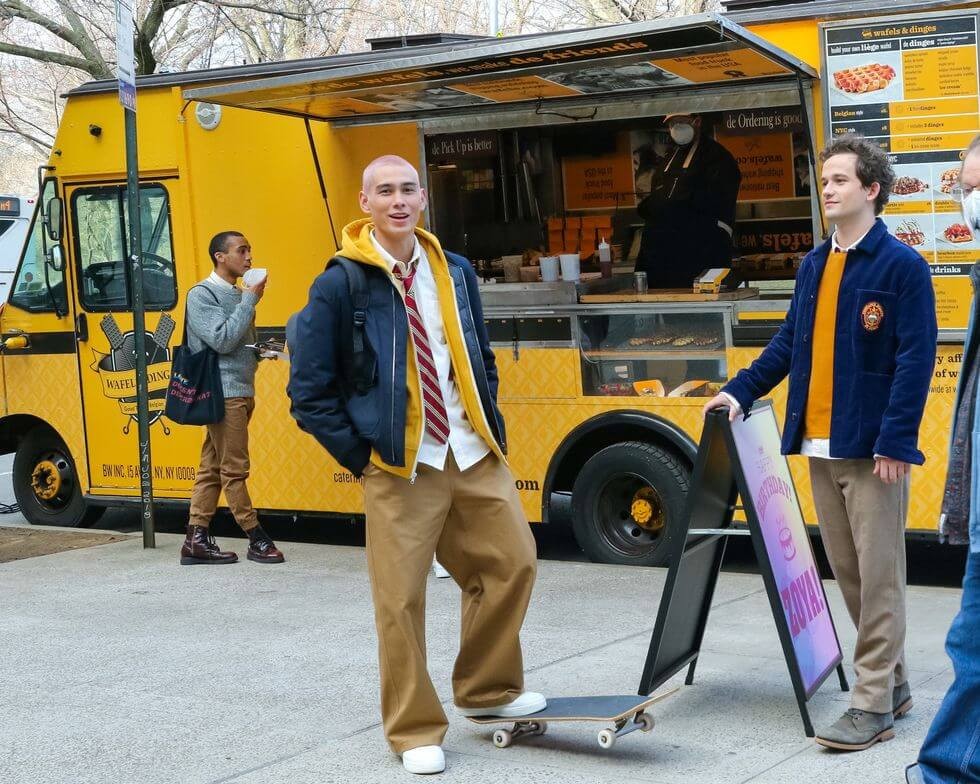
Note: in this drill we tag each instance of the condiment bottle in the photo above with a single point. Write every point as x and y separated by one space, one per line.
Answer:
605 259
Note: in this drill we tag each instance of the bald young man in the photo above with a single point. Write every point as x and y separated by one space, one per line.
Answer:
429 441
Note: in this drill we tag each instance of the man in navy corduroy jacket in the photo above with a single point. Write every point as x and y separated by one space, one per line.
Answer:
858 344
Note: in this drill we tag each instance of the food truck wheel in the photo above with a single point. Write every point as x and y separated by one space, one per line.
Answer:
625 502
46 483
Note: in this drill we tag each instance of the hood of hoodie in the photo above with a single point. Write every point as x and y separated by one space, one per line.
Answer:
357 245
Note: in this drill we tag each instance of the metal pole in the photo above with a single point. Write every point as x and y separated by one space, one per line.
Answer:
494 17
139 330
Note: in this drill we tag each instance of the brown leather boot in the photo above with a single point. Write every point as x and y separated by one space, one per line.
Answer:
200 548
261 548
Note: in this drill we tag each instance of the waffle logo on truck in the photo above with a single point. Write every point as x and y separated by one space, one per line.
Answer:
117 369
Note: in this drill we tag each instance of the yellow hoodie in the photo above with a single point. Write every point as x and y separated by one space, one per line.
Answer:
357 245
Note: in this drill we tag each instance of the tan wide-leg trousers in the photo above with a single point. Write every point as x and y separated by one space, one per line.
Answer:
474 523
225 466
862 525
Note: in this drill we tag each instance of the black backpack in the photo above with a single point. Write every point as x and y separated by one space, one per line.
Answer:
360 363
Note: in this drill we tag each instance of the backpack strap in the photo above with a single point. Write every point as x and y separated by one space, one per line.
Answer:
362 362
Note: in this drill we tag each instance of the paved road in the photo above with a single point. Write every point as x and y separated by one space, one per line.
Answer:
122 667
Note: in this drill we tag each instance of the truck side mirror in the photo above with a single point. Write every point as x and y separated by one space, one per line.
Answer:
54 218
56 258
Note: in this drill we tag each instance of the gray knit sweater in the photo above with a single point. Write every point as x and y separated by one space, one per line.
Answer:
227 326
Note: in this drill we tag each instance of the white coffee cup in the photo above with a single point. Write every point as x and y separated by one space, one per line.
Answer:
549 268
570 266
254 276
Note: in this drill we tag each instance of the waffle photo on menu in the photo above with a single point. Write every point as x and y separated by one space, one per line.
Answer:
864 78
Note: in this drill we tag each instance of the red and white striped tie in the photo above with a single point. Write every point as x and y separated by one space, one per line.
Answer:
436 419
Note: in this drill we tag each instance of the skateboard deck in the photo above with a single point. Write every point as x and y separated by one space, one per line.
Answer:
626 712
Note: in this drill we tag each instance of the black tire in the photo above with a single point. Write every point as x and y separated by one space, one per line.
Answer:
620 484
46 483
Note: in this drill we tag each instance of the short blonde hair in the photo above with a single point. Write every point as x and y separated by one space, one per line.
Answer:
377 163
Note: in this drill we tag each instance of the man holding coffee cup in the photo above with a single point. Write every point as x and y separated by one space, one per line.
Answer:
221 316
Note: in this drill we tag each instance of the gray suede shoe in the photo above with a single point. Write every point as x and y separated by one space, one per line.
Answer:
856 730
901 700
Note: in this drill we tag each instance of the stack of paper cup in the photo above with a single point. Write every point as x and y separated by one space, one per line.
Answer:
549 268
569 266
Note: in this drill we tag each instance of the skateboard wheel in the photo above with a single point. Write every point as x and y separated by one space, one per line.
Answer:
502 739
646 722
540 728
607 738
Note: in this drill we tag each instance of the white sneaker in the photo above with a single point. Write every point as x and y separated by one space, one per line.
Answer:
439 569
529 702
424 759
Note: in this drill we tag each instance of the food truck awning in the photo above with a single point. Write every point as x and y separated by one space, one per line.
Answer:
620 61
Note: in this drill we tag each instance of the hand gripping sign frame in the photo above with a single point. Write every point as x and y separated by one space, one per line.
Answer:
743 459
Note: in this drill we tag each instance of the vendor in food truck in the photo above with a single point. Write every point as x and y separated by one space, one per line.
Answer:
691 208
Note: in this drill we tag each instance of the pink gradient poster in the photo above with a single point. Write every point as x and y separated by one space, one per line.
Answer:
777 509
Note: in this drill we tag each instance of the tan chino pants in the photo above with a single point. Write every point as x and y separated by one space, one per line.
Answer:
474 523
225 466
862 525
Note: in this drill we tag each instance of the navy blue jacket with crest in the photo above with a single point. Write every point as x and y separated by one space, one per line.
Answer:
882 367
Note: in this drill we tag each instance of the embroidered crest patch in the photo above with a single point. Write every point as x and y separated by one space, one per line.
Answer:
872 314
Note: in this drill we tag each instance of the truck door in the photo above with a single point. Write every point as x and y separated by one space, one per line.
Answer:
106 346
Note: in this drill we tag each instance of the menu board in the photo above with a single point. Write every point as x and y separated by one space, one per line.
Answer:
911 85
774 513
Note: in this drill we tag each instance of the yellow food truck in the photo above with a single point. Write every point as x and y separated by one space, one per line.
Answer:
529 146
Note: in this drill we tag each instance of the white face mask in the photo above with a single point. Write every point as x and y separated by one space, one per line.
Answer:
682 133
971 211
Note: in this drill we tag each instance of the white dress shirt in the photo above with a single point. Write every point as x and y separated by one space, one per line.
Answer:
467 445
219 281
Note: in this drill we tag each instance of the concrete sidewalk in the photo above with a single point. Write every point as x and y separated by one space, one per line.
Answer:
118 665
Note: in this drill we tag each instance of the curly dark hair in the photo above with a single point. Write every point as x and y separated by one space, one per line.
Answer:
872 164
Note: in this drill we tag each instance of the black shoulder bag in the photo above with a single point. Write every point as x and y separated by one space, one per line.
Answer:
195 396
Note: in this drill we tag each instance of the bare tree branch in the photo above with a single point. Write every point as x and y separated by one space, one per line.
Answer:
293 15
47 56
81 39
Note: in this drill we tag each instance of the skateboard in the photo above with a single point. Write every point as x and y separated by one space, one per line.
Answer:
626 712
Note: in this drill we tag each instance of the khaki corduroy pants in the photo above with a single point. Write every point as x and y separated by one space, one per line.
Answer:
473 522
862 525
225 466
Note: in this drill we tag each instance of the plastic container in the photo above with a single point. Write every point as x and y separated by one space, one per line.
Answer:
254 276
570 266
549 268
